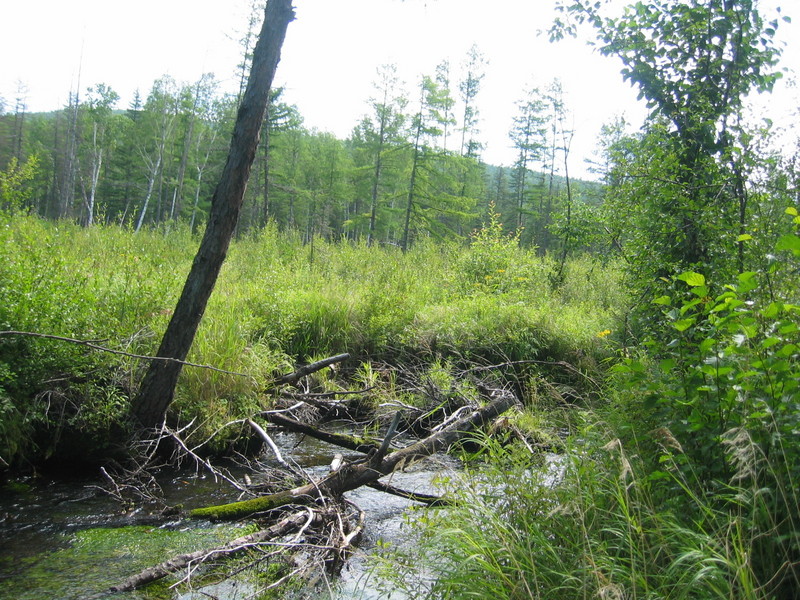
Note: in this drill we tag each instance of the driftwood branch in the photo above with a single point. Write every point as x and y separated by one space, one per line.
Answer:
268 441
309 369
354 475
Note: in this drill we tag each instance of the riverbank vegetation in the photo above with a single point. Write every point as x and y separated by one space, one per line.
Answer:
280 302
648 325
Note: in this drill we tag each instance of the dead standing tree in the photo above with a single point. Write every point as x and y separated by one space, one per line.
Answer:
150 405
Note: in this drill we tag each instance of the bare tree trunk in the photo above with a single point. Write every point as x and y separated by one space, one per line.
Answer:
158 387
154 167
68 190
97 163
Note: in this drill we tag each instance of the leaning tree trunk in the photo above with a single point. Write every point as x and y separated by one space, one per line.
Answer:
158 387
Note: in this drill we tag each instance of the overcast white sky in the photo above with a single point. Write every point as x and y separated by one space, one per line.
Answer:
330 57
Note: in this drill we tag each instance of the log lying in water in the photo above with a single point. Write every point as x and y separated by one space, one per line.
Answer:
364 472
351 442
283 527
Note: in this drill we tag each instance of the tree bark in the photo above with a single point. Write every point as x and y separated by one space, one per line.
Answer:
158 387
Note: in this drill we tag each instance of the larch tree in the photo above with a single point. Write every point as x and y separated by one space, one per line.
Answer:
380 133
149 407
447 117
527 136
469 88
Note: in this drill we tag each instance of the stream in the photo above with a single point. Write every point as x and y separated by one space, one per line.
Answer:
56 542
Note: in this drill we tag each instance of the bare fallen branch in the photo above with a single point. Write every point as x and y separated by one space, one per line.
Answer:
429 499
268 441
309 369
283 527
94 346
205 462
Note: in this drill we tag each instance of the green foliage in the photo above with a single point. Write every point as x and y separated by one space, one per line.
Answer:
15 194
732 363
586 525
725 386
278 302
680 196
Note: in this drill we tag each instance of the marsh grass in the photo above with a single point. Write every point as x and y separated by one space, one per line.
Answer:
277 303
592 524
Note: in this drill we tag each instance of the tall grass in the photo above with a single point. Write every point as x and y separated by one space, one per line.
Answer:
277 302
592 525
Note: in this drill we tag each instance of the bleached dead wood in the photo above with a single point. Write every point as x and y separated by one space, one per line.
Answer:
283 527
366 471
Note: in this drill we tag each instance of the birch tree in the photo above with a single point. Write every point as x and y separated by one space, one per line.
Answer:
101 100
158 124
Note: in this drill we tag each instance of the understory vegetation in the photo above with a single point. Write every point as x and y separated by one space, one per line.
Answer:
279 302
648 324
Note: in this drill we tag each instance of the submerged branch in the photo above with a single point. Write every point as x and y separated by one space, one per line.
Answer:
364 472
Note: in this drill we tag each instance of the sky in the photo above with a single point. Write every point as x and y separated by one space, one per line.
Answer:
330 57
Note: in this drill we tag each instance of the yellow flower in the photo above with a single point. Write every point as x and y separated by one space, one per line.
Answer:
501 270
604 333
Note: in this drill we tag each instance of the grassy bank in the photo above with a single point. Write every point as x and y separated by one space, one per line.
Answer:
278 302
682 485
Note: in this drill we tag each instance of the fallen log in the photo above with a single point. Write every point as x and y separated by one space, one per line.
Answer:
368 470
351 442
309 369
283 527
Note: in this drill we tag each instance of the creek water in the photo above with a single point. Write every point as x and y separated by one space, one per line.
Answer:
61 539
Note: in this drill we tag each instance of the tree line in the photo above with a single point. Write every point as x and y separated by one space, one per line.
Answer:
411 166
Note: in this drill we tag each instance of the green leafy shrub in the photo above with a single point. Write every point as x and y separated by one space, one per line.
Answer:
492 253
726 388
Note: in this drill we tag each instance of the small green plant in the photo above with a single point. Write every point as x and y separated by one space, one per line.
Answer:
487 267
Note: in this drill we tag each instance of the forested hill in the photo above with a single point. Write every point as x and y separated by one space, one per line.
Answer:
407 169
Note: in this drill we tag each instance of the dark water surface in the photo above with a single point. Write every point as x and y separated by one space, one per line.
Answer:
61 539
